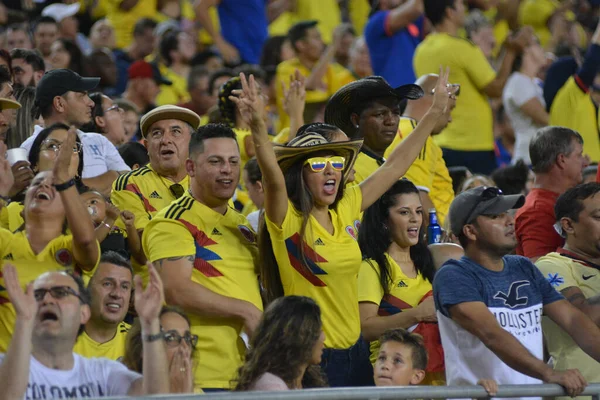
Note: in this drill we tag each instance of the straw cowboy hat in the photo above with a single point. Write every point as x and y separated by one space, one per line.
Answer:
352 96
303 146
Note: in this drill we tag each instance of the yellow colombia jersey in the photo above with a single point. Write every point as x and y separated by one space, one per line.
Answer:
10 216
366 163
428 172
573 108
536 13
405 293
334 262
124 21
15 249
335 77
114 349
241 135
144 193
176 93
226 258
469 131
563 271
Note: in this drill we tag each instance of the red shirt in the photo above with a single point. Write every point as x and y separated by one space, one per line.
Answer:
534 225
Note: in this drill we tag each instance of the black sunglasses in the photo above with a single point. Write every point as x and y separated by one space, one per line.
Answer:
177 190
173 338
488 193
57 292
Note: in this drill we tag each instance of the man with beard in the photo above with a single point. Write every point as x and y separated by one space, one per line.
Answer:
490 304
28 67
206 254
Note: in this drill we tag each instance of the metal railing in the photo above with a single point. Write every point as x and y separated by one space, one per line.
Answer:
389 393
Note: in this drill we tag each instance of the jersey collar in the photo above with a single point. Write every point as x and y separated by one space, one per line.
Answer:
577 258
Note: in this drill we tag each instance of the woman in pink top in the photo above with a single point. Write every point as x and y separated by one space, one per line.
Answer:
286 348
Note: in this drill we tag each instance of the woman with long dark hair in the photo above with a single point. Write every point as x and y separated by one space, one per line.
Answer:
395 279
308 242
286 348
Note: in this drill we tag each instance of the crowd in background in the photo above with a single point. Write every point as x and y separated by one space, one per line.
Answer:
211 195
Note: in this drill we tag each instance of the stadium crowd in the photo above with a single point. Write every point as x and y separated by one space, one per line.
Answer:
212 195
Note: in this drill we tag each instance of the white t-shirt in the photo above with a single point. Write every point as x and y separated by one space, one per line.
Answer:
269 382
89 377
99 154
519 90
253 219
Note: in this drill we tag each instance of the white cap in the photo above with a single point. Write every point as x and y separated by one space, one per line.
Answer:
60 11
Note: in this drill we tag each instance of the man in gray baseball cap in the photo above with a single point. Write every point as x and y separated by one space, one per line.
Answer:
491 303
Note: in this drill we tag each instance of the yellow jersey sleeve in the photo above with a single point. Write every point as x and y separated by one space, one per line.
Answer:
477 66
369 285
165 238
11 217
556 271
241 135
125 199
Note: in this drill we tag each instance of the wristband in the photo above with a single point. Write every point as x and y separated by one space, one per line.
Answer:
64 186
154 338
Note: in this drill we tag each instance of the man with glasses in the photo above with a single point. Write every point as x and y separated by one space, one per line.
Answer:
62 96
166 133
207 256
110 290
490 304
429 172
40 362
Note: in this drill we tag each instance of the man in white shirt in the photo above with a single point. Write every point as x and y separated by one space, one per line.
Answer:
40 362
62 96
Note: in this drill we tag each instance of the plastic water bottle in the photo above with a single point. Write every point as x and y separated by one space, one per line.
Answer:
434 231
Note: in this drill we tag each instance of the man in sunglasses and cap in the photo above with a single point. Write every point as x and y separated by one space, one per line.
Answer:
166 133
490 304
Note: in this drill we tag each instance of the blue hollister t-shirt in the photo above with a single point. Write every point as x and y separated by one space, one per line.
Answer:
392 53
515 296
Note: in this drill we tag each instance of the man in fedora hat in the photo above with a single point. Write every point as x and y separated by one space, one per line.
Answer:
490 304
369 109
207 256
166 133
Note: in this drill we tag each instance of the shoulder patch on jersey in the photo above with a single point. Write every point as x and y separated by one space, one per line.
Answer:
247 233
180 206
63 257
555 279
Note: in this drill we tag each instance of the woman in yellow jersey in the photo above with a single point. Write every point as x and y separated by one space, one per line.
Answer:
286 348
308 242
394 283
42 157
180 344
51 205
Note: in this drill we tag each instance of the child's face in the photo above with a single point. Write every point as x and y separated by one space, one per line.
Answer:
394 366
96 206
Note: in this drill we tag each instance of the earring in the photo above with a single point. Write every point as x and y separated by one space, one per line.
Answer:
356 126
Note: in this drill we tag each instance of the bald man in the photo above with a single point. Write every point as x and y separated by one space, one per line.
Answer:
429 172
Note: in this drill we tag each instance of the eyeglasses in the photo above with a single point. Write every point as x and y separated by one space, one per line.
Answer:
177 190
173 339
57 292
54 145
318 164
453 88
114 107
488 193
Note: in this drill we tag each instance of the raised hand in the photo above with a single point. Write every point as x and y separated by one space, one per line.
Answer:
249 102
7 178
128 218
63 160
181 374
442 92
149 301
112 212
295 95
23 301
